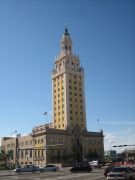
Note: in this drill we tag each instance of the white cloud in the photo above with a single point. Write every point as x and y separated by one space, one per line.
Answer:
127 123
122 137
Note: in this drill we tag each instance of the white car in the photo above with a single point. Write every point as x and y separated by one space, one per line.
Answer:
121 173
49 168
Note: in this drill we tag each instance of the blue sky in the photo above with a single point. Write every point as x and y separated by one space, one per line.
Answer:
103 35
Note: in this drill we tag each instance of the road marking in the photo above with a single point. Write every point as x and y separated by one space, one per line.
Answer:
69 176
93 178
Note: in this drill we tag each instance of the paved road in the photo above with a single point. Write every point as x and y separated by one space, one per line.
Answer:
61 175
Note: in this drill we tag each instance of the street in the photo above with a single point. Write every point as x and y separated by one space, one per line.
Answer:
96 174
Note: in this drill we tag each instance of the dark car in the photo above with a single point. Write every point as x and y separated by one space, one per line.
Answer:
81 167
108 169
27 168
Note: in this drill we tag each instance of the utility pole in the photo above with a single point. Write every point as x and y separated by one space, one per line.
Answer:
17 150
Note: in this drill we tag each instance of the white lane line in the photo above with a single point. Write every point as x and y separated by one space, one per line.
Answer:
74 176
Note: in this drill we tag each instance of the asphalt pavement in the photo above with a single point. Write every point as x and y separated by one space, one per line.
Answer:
63 174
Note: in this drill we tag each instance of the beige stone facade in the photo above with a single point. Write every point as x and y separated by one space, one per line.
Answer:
65 140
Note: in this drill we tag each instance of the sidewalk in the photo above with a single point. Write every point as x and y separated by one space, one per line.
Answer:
6 173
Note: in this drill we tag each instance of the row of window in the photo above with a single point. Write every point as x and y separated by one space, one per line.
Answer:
55 102
59 119
62 94
75 88
71 99
94 142
71 112
38 141
59 107
28 153
59 126
58 78
75 76
75 94
67 61
10 145
58 89
75 82
76 106
76 119
25 143
58 83
58 140
58 113
76 125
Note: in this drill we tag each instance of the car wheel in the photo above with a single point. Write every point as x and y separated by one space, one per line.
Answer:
34 170
41 170
54 170
19 171
130 178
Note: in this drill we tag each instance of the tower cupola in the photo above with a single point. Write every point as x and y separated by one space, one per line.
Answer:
66 43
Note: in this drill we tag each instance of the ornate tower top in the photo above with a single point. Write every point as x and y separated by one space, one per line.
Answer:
66 44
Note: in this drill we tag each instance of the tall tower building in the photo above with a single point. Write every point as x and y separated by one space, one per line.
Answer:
67 141
68 96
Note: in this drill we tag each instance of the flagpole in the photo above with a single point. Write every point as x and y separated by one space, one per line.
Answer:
45 114
99 124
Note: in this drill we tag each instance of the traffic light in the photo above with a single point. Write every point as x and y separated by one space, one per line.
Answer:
121 145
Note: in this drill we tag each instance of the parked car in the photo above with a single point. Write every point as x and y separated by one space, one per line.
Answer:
81 167
49 168
27 168
121 173
107 170
95 164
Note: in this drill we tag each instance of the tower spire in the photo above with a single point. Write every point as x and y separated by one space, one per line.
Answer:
66 31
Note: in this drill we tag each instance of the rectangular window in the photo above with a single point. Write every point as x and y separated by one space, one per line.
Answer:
38 153
26 142
21 153
26 152
42 153
30 153
22 143
30 142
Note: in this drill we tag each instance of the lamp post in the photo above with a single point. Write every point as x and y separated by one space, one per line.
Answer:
83 152
15 147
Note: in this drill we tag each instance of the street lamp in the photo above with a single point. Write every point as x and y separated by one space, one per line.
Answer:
16 147
84 144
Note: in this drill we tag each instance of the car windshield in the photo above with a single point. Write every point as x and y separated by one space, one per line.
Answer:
119 170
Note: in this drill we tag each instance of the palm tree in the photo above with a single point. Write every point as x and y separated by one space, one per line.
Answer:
5 157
